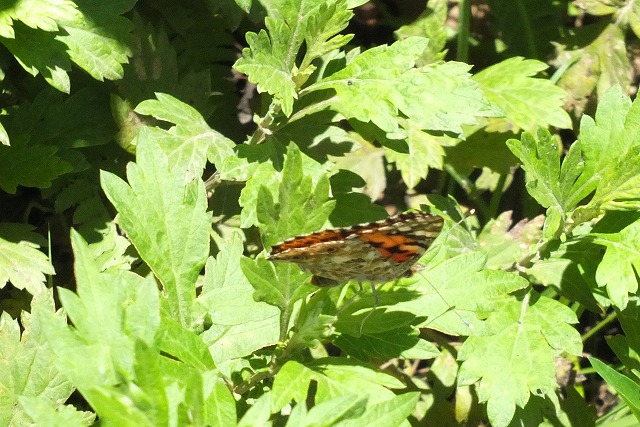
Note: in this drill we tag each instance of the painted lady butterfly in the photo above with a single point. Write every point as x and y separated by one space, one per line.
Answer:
376 252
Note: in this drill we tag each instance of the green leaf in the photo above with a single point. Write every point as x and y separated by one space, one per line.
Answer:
621 261
44 14
21 261
184 345
302 201
110 313
431 24
389 413
425 151
541 160
259 413
261 175
267 64
39 52
42 412
191 141
277 284
610 152
239 324
386 77
547 181
516 359
402 343
336 411
367 162
444 291
321 25
30 166
28 376
627 346
570 269
165 219
270 59
220 406
97 39
482 149
4 136
528 103
506 243
625 386
596 58
335 377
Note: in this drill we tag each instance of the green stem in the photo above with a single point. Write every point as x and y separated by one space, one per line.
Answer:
306 111
496 196
604 322
464 19
469 188
263 126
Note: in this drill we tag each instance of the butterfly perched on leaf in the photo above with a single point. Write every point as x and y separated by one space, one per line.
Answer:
376 252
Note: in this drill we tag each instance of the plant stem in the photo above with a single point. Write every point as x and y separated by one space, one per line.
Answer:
496 196
604 322
469 188
464 19
263 126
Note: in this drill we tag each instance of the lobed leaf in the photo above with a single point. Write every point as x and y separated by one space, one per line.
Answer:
516 358
21 262
239 324
528 103
166 220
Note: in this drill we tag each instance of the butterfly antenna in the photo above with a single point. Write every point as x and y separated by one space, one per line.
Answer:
357 295
348 302
421 267
465 321
375 305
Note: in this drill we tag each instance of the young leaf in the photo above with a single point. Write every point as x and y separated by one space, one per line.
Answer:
610 152
28 377
191 141
379 86
517 357
21 261
239 324
547 182
110 313
302 202
166 220
617 270
269 61
528 103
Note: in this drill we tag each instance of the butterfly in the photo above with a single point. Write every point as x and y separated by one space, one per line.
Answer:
376 252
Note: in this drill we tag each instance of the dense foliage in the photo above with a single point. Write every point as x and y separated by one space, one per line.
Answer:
152 152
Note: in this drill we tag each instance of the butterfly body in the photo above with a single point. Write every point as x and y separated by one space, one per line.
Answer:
376 252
